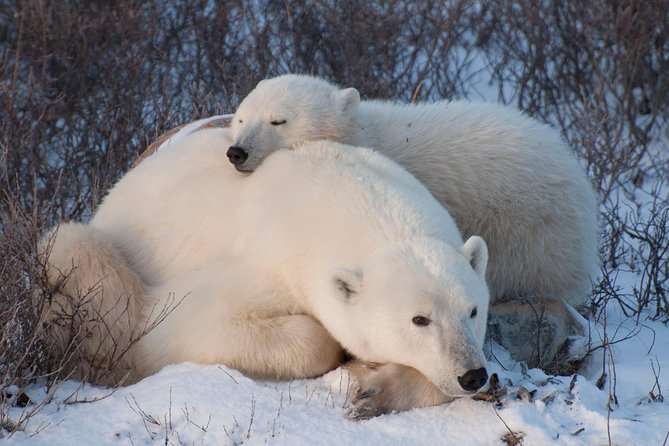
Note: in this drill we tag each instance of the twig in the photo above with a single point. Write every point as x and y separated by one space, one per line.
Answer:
512 433
253 411
416 91
229 375
659 397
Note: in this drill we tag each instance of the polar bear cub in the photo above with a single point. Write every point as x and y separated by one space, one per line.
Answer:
502 175
324 247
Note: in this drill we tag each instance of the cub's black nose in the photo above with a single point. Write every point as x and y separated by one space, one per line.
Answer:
237 155
473 379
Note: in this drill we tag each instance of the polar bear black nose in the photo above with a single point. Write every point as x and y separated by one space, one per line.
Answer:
237 155
473 379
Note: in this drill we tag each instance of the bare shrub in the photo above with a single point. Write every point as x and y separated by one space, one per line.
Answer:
22 352
599 72
86 86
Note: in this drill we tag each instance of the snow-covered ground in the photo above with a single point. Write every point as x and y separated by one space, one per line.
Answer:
198 404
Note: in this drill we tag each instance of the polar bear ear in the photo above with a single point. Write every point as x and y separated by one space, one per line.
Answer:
346 283
347 101
476 251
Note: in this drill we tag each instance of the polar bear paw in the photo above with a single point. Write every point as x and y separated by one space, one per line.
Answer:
386 388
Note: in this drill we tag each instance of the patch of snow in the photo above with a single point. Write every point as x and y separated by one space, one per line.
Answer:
208 404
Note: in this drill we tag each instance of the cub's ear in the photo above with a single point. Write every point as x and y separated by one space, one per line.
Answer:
347 101
346 283
476 251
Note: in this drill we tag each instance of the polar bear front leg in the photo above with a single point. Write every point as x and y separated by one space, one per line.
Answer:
385 388
283 347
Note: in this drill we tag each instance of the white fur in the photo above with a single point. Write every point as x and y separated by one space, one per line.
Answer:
502 175
325 231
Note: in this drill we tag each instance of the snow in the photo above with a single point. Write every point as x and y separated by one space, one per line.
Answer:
209 404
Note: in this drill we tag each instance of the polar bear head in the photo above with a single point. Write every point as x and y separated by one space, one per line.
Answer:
287 110
423 304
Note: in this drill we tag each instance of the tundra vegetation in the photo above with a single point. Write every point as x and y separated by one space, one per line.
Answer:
86 86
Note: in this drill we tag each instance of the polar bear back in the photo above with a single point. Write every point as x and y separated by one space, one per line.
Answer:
503 176
163 212
176 208
378 203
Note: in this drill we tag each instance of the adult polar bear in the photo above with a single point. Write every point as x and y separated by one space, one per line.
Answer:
324 233
502 175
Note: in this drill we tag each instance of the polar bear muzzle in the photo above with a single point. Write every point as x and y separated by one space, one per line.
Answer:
237 156
473 380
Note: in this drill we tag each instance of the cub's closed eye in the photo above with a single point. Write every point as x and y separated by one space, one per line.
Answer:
240 121
475 311
421 321
278 122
